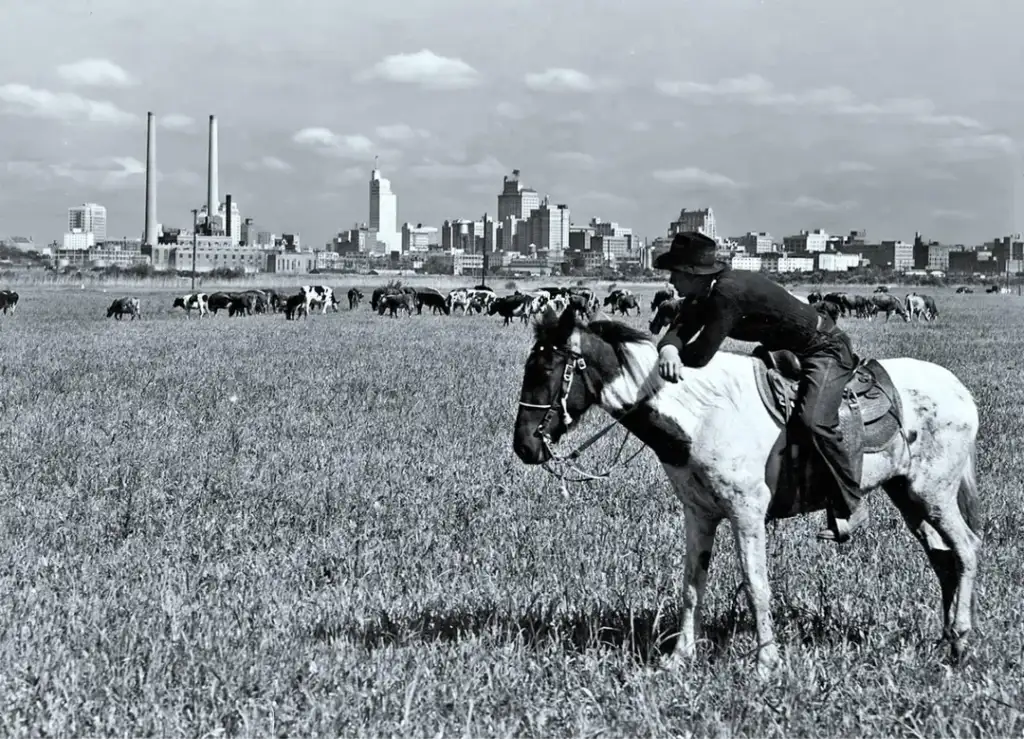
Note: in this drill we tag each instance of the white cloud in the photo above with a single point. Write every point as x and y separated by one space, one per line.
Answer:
560 80
979 146
62 106
850 167
425 69
805 202
176 122
578 159
268 163
347 177
696 177
950 214
639 126
433 170
400 132
752 89
95 73
601 199
509 110
327 142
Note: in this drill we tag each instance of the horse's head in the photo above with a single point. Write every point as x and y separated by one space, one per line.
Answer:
558 385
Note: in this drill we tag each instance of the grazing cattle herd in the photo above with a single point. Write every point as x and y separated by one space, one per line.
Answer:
394 300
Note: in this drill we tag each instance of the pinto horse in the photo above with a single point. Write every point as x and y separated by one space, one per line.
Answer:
712 433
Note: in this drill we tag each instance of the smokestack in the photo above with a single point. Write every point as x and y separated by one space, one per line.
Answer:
227 215
212 196
149 229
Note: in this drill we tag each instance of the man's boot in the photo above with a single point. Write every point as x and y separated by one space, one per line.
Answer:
840 529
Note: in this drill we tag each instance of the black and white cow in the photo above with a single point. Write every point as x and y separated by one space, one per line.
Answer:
121 306
511 306
8 301
317 295
191 302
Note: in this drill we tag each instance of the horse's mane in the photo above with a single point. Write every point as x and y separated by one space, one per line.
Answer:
553 328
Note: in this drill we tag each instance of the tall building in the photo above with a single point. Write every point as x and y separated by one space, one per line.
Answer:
515 203
88 218
384 212
702 220
549 228
417 238
756 242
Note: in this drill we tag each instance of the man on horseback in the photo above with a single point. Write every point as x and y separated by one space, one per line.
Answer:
725 303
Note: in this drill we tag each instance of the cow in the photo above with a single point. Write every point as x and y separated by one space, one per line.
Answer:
394 303
463 298
219 301
929 304
295 306
889 304
612 300
863 307
661 296
128 305
8 301
275 300
592 302
666 313
882 289
432 299
916 307
510 306
243 304
355 295
964 290
992 289
319 295
626 303
191 302
814 297
260 301
844 301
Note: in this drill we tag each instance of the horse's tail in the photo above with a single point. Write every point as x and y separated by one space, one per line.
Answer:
967 499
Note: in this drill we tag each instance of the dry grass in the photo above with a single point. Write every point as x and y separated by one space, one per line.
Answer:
265 527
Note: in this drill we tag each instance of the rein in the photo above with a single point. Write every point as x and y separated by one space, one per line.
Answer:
563 465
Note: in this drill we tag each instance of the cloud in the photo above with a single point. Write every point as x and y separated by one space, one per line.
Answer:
62 106
327 142
176 122
424 69
805 202
509 110
696 177
109 173
601 199
577 159
978 146
753 89
347 177
560 80
95 73
949 214
850 167
639 126
400 132
484 169
270 163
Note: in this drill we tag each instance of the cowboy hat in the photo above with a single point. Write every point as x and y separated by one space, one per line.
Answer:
692 252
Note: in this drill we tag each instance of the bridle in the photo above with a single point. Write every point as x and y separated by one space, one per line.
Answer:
574 362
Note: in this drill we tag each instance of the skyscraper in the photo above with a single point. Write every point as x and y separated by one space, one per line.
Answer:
89 218
384 212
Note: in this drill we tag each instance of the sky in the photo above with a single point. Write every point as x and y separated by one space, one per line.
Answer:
782 115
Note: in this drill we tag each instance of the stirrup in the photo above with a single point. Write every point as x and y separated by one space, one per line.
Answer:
838 530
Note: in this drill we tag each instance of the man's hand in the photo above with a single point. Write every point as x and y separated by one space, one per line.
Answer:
670 367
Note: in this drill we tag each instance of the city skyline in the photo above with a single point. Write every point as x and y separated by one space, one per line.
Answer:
906 140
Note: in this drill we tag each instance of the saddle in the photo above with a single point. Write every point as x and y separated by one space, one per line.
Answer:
870 416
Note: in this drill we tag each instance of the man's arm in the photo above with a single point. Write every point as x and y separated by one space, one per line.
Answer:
683 328
721 317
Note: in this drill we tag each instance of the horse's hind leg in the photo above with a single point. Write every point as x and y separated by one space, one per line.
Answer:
951 547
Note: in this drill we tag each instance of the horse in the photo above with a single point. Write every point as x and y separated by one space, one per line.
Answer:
927 469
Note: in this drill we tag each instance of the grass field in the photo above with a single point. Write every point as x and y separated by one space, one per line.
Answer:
256 526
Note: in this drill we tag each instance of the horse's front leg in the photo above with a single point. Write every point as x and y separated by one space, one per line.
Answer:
751 548
700 541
